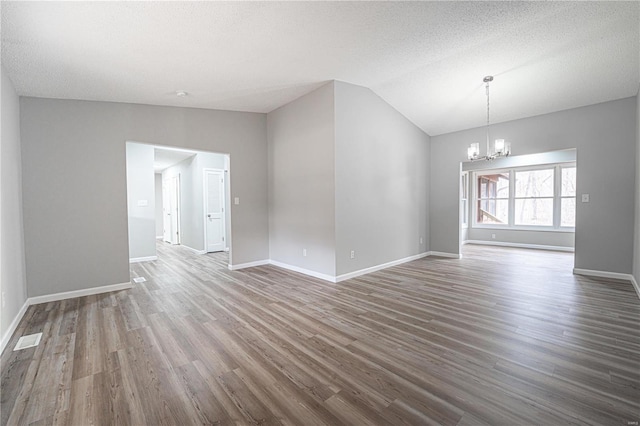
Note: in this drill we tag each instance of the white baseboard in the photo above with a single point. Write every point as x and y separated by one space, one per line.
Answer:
309 272
635 285
607 274
53 298
159 237
445 254
248 265
602 274
13 326
196 251
143 259
375 268
519 245
336 279
78 293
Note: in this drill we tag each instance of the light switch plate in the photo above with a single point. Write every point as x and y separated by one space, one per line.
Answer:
236 200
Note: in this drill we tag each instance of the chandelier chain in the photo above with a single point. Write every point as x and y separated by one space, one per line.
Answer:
487 90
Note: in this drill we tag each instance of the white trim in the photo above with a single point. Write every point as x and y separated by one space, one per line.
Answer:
159 237
13 326
526 228
349 275
53 298
309 272
635 285
79 293
196 251
444 254
371 269
143 259
249 264
602 274
520 245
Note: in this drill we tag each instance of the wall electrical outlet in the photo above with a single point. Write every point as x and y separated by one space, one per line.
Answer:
585 198
421 241
493 236
304 252
3 299
353 254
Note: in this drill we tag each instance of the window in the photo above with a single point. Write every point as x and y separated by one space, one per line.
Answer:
492 198
542 197
568 197
464 199
534 197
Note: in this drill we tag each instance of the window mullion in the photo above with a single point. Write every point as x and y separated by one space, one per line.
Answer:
512 195
557 192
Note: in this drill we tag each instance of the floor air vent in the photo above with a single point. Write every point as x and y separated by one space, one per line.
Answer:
139 280
28 341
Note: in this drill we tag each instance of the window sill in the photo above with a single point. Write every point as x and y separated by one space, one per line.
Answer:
525 228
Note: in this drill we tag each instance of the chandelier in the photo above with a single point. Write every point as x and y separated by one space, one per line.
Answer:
500 147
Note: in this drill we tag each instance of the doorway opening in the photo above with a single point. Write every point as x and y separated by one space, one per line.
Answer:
171 209
177 197
526 201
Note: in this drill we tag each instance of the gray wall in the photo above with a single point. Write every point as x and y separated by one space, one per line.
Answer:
382 175
13 286
605 138
141 187
636 245
158 208
302 182
73 156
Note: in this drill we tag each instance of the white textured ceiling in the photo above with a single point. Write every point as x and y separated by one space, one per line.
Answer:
426 59
163 158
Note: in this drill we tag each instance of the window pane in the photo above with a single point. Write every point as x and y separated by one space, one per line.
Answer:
493 211
534 183
493 186
568 212
464 188
502 186
463 212
568 181
534 212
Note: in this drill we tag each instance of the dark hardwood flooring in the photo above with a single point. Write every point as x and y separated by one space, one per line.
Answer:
500 337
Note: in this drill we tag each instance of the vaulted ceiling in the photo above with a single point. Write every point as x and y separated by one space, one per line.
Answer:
426 59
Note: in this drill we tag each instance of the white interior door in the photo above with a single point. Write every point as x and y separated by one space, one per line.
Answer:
166 212
214 210
171 209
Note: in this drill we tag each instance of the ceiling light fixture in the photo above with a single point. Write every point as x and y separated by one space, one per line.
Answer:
181 93
500 147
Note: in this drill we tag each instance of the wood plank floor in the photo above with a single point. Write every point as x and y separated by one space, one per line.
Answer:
500 337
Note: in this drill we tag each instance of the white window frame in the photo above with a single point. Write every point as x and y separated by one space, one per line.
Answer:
464 199
557 197
558 206
475 198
